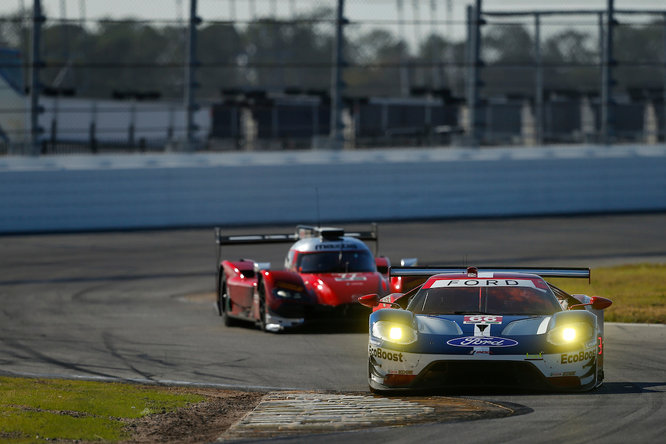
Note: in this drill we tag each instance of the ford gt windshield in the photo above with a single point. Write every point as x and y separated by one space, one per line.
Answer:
484 300
336 262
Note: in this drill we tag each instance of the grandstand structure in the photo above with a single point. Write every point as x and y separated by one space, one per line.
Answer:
453 81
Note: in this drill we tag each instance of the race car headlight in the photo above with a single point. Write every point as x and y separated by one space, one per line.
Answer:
287 294
392 332
570 333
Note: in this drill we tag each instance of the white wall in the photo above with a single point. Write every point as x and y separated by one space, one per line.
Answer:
113 118
53 193
13 116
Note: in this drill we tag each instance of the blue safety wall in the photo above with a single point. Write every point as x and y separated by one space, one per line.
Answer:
71 193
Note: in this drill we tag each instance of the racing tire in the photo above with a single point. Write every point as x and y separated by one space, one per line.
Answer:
263 308
223 305
376 391
218 301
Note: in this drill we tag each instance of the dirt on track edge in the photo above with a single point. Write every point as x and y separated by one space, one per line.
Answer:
219 417
202 422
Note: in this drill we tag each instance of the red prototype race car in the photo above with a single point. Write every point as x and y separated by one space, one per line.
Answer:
325 272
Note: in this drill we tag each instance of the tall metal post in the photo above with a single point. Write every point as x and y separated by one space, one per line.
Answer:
538 92
664 84
35 86
190 78
602 40
419 73
607 118
404 69
337 83
435 69
469 61
474 65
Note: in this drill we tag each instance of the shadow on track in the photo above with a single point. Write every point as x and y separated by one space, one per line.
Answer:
608 388
316 327
623 388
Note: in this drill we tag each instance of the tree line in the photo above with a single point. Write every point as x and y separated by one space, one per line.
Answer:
123 56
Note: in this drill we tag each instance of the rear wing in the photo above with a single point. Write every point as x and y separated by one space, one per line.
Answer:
240 239
302 232
583 273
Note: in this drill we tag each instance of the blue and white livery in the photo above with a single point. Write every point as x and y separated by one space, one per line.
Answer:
495 327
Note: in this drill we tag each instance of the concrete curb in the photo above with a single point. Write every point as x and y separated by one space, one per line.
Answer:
299 413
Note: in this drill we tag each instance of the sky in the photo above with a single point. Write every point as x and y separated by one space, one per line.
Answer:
449 14
355 9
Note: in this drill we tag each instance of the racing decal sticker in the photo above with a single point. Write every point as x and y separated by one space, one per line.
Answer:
482 283
378 352
481 330
345 277
482 319
401 372
482 341
336 246
571 358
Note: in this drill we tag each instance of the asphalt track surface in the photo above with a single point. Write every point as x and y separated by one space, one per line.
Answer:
138 306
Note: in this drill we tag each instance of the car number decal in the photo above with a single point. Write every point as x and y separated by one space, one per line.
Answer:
482 319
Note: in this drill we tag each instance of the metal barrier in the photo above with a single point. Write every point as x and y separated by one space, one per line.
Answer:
73 193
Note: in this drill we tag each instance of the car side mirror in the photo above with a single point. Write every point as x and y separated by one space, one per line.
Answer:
383 264
596 302
369 300
599 303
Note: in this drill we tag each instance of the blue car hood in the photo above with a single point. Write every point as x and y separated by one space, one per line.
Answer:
455 334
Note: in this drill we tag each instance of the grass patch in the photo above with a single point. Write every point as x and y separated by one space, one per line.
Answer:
33 410
638 291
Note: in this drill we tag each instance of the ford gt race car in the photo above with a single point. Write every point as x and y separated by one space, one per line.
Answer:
494 327
325 272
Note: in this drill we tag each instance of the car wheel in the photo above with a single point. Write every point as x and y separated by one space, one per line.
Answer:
223 305
220 299
262 306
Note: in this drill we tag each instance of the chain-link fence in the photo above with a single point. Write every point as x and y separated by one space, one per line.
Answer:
259 74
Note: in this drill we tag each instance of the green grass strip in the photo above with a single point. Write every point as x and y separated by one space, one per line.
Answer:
34 410
638 291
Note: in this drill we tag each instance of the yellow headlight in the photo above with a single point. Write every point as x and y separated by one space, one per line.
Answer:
395 333
569 334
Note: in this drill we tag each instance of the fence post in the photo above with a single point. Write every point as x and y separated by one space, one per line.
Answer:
663 117
607 81
474 65
92 128
404 69
538 93
190 78
131 128
337 84
35 86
